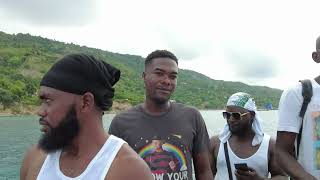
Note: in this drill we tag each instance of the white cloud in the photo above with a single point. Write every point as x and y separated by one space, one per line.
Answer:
50 12
270 40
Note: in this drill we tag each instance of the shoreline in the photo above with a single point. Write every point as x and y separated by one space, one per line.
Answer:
32 110
116 108
113 111
2 114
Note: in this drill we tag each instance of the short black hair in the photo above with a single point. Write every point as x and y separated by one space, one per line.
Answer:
160 54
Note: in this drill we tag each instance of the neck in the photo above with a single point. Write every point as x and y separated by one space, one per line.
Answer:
246 134
155 108
90 139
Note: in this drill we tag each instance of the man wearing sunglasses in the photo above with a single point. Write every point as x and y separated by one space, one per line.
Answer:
242 150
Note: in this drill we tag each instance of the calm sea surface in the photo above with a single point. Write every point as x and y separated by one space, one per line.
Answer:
17 133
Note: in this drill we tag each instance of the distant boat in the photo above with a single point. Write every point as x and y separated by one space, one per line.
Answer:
268 106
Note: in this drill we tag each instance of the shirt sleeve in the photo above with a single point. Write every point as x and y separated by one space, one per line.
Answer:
201 139
113 128
289 109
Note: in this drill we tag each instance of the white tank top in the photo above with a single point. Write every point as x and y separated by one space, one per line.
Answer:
96 170
258 161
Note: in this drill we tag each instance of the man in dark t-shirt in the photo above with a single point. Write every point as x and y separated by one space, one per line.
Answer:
181 127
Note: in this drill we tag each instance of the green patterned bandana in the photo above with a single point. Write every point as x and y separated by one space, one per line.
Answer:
243 100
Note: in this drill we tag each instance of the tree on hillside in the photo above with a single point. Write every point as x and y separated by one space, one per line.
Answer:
7 98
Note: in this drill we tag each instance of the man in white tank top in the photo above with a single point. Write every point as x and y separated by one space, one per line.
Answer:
74 93
250 152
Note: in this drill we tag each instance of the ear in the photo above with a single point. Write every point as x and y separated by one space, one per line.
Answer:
87 102
316 57
143 75
252 114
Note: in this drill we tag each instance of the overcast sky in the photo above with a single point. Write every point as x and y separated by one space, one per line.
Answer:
256 42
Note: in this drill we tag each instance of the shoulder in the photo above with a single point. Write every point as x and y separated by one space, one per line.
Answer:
289 107
214 143
32 161
293 91
272 145
186 111
130 113
132 110
272 142
125 120
182 107
127 165
214 140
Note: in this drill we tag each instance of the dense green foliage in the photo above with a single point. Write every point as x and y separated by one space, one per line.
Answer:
25 58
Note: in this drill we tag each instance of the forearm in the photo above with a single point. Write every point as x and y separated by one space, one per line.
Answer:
290 165
204 176
202 166
279 177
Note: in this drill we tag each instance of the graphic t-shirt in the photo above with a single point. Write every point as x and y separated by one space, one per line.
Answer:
160 162
165 142
289 120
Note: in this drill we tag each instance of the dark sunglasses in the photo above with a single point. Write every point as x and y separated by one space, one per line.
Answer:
235 115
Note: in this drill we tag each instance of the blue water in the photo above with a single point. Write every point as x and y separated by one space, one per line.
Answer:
17 133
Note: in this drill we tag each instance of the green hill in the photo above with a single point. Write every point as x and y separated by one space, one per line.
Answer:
25 58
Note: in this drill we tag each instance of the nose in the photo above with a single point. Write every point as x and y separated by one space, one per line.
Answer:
41 111
231 118
166 80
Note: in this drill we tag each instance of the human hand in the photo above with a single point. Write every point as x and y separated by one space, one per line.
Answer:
248 174
172 165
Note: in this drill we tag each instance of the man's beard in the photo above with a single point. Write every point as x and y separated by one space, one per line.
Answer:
161 101
242 130
62 135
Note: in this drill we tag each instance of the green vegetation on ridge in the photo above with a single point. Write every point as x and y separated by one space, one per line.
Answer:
25 58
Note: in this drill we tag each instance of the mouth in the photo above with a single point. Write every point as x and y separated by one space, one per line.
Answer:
44 129
164 91
234 125
44 126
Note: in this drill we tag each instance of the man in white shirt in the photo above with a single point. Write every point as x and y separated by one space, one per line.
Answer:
307 165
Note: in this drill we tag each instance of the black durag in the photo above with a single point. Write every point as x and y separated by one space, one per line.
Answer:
81 73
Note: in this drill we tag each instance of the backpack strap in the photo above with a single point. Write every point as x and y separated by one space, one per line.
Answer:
307 95
226 154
